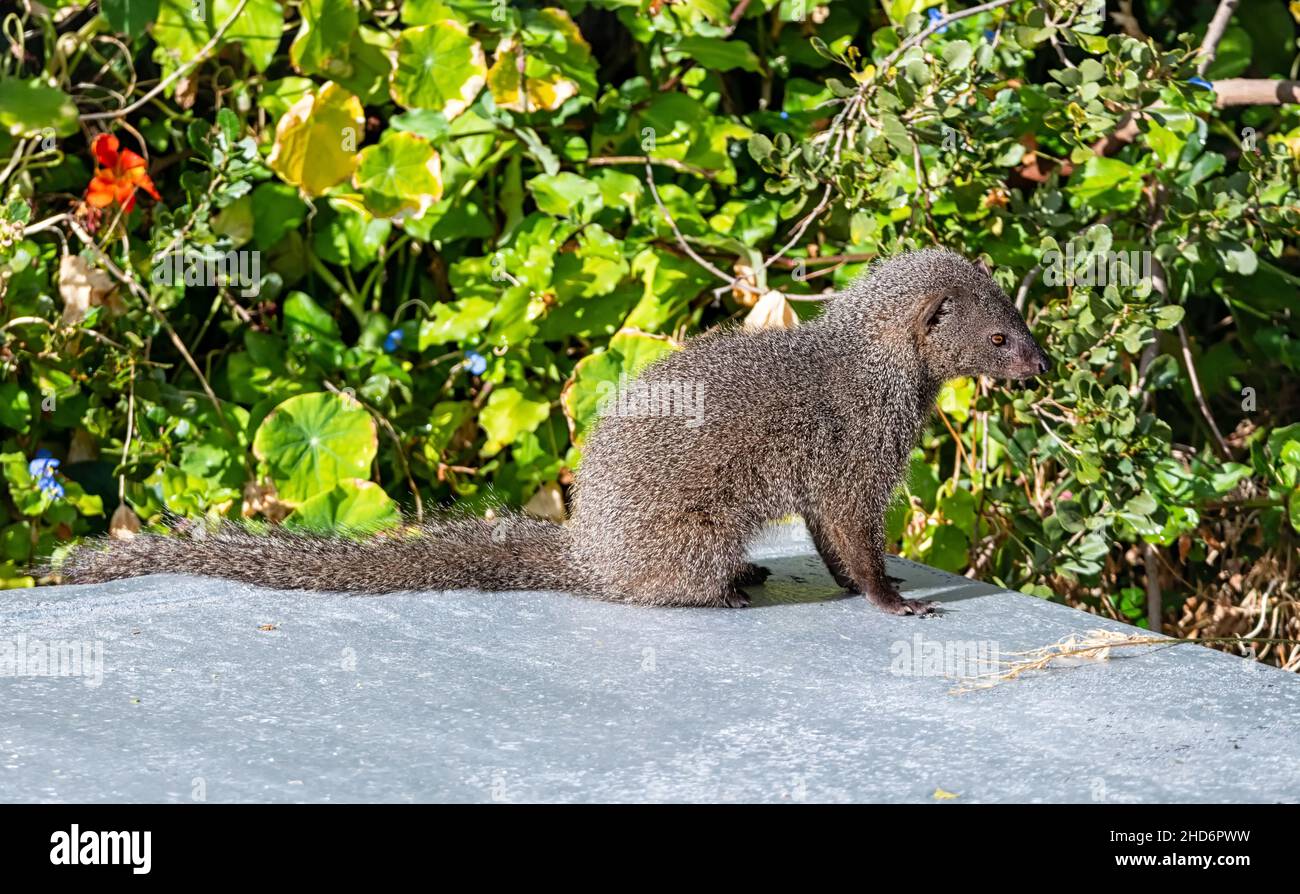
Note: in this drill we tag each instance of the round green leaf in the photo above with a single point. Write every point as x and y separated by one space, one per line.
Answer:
508 415
597 376
29 107
400 177
439 67
129 16
324 38
949 548
316 140
312 441
354 505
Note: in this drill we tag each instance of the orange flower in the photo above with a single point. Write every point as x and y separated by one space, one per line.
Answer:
120 174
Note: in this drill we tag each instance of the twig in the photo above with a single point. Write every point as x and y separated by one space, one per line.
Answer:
1155 604
143 294
922 36
42 225
956 439
1022 293
1094 645
602 161
681 240
803 226
1255 92
1161 284
1200 397
19 149
1214 34
130 432
178 73
857 257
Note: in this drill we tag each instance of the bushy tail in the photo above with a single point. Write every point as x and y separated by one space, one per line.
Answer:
508 553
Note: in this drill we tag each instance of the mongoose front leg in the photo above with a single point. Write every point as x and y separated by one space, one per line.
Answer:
862 555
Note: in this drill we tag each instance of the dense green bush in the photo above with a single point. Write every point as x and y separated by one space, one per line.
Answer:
443 248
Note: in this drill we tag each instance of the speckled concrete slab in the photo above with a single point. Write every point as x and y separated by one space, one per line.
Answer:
206 690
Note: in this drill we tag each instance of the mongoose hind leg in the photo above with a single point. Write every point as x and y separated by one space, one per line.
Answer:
734 597
708 567
681 592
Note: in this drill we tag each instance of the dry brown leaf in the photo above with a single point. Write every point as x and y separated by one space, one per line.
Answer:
187 90
81 286
83 448
745 297
262 498
547 503
125 524
772 311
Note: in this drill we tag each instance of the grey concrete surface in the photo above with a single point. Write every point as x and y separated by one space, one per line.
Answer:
527 697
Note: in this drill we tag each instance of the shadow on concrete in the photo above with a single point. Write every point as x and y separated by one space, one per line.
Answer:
803 579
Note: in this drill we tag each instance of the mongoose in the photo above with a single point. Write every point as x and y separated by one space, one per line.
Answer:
818 420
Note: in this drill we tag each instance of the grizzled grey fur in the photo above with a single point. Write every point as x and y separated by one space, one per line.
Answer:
817 421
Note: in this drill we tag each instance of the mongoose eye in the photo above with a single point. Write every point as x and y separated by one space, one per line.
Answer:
998 339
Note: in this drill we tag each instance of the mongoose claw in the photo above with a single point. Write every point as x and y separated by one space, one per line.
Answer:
924 608
893 604
735 599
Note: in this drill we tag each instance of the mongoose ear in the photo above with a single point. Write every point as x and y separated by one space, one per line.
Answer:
928 311
984 268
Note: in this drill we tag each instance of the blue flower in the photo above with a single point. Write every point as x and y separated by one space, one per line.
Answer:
936 16
989 34
42 468
475 362
392 341
1201 82
785 114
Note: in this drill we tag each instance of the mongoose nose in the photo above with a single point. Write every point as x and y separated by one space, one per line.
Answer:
1044 362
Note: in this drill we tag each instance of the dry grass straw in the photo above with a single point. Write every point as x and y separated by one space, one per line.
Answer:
1093 645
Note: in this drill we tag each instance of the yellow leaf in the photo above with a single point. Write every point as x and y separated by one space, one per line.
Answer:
525 83
941 795
956 398
316 140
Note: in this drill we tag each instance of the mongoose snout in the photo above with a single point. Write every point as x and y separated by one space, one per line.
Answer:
1031 360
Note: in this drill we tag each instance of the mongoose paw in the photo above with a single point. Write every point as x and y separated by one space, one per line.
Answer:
735 599
924 608
751 575
891 603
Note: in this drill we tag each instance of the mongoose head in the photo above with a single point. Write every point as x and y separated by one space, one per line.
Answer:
965 325
960 322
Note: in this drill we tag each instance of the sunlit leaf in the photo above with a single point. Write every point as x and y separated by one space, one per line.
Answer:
316 140
400 177
439 67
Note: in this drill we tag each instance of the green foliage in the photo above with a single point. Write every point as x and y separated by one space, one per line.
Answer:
457 255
